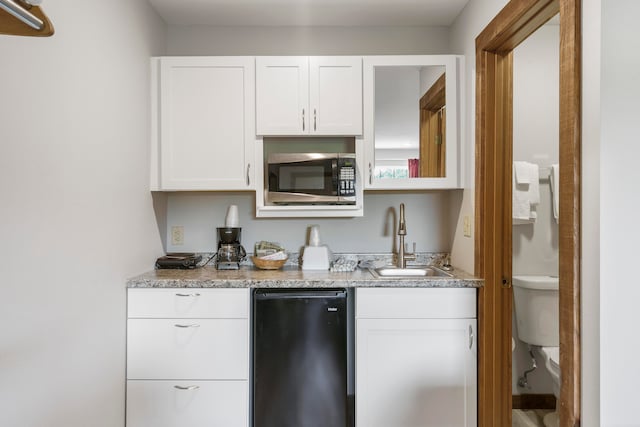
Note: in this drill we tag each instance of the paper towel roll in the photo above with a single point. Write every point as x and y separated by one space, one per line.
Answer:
232 216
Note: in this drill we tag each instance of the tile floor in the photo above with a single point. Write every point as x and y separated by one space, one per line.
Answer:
528 417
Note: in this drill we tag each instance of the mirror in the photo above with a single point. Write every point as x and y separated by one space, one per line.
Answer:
409 127
411 131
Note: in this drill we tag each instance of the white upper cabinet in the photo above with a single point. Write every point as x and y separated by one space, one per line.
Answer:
412 110
309 95
282 95
335 95
203 123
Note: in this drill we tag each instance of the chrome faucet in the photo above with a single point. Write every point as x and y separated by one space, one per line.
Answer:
403 255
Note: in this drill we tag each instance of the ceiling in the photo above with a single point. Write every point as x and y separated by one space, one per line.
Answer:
309 12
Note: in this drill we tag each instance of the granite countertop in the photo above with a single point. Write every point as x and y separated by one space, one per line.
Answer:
290 276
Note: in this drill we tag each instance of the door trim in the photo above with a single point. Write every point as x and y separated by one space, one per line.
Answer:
494 118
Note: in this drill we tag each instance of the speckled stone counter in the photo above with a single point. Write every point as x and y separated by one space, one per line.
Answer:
290 277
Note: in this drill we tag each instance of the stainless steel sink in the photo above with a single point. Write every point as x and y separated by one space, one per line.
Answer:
409 271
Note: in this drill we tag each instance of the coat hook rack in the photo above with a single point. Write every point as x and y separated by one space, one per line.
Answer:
24 18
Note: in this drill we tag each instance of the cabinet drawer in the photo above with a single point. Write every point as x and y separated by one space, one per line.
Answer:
188 303
198 404
188 349
415 303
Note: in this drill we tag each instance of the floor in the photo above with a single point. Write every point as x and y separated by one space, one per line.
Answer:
528 417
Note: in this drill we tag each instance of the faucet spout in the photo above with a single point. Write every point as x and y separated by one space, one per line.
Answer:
403 255
402 226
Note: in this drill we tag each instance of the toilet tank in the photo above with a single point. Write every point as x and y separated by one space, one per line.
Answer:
537 310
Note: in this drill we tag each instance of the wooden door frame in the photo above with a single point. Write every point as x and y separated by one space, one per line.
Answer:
432 103
493 251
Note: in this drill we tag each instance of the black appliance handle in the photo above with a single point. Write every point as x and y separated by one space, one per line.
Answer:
263 294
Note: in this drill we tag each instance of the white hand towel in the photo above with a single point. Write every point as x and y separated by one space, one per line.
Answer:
534 184
522 172
521 207
525 195
554 181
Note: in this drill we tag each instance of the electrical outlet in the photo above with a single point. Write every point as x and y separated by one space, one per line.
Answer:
466 226
177 235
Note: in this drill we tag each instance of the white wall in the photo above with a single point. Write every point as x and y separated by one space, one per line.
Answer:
590 211
76 216
203 40
428 76
536 102
619 207
471 21
535 139
427 214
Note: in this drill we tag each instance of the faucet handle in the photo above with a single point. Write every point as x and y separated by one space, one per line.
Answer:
406 251
410 255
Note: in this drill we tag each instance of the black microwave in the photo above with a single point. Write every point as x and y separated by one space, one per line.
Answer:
311 179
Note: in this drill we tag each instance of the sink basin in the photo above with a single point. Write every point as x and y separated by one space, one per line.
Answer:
409 271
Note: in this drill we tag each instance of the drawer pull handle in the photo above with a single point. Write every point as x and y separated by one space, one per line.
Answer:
470 337
193 325
188 295
191 387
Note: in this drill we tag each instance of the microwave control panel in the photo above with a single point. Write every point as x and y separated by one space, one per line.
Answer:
346 177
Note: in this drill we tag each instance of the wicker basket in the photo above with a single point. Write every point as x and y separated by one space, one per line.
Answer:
268 264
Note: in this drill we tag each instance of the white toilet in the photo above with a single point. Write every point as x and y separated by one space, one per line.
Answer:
537 318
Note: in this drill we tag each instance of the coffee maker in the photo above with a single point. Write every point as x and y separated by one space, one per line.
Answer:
230 251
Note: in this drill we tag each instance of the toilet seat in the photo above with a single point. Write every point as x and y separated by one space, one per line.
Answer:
552 359
551 356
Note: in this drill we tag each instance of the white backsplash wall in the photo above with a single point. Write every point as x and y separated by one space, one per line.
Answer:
427 215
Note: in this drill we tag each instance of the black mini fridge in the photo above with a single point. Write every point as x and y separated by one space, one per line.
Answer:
303 358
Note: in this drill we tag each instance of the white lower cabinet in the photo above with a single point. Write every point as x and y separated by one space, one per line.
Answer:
188 358
420 370
187 403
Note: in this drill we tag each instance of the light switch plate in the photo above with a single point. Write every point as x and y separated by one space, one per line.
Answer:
466 227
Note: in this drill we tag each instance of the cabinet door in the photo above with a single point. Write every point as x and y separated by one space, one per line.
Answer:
416 372
282 95
187 404
405 98
335 94
206 123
